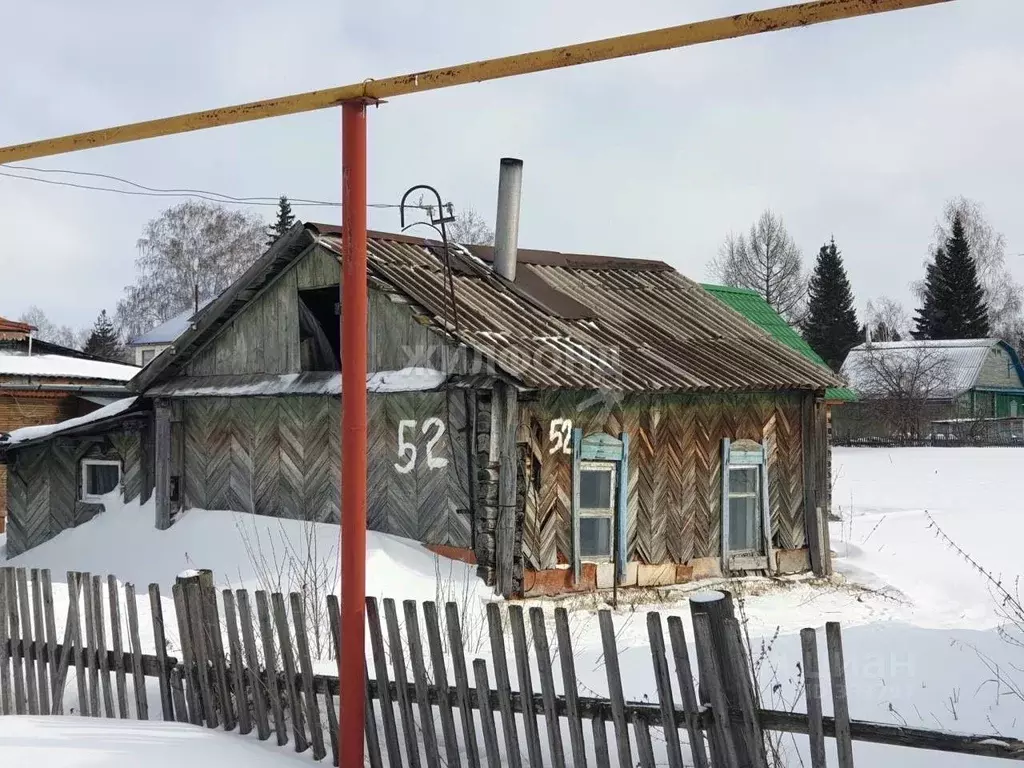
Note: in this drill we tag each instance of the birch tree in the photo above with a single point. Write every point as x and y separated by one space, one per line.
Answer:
765 260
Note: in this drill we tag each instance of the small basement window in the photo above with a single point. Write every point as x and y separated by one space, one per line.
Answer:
99 478
597 509
320 329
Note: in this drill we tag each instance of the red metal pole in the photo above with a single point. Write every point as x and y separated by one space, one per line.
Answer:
353 435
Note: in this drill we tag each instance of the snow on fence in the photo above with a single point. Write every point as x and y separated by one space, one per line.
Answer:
225 678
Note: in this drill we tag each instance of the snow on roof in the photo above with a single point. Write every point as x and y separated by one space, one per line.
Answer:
310 383
17 363
961 361
168 332
25 434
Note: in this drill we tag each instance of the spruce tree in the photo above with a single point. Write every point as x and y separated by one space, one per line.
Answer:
831 326
285 221
954 301
104 341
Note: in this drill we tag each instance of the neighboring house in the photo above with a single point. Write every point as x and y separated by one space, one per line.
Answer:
146 347
597 420
904 386
41 383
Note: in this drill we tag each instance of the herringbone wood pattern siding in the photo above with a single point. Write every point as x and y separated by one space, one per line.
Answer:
45 484
280 457
675 465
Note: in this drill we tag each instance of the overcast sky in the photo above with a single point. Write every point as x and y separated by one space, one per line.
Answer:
858 129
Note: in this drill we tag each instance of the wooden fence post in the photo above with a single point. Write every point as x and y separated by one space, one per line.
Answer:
812 693
39 644
611 668
711 684
840 704
5 649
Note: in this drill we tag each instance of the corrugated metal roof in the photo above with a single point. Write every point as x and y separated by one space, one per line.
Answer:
14 326
752 306
649 329
960 359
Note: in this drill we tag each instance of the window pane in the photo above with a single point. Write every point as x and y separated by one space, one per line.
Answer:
596 488
101 479
147 356
596 536
744 523
743 480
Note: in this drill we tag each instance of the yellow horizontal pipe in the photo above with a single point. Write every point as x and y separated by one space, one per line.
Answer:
741 25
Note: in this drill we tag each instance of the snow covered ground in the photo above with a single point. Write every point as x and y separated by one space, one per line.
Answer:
79 742
920 624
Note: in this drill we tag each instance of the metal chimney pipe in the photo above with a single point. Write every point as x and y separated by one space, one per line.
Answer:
506 227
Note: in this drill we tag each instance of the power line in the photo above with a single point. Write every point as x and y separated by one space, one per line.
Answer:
141 190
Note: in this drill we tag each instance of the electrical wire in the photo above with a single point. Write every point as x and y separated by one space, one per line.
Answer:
141 190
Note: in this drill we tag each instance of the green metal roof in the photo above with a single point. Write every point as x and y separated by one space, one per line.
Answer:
758 311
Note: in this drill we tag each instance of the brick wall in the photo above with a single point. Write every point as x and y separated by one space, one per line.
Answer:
27 409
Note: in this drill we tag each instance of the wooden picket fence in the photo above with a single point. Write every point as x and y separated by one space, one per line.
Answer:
246 672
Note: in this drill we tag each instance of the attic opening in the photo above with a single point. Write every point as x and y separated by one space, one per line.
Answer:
320 329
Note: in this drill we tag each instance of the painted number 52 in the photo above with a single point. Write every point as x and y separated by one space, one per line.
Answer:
560 436
407 448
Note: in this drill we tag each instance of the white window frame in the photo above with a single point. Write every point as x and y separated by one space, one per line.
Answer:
86 463
756 496
590 465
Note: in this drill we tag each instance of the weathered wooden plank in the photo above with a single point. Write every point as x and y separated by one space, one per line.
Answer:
741 670
252 666
178 695
419 675
611 667
547 687
600 742
644 748
372 743
840 703
200 651
6 706
568 665
812 694
15 636
504 686
270 659
138 679
215 647
61 675
288 663
51 630
684 675
332 727
101 646
531 732
156 608
237 664
191 673
162 463
711 681
306 669
457 648
405 709
486 714
91 649
380 668
437 663
39 644
663 680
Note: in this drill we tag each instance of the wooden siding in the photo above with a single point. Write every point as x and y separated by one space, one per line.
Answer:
32 409
280 456
44 486
264 336
998 370
674 471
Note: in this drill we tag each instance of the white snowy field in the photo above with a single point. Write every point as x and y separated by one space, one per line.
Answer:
79 742
920 625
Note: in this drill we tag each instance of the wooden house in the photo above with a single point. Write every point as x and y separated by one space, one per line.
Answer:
591 421
42 383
